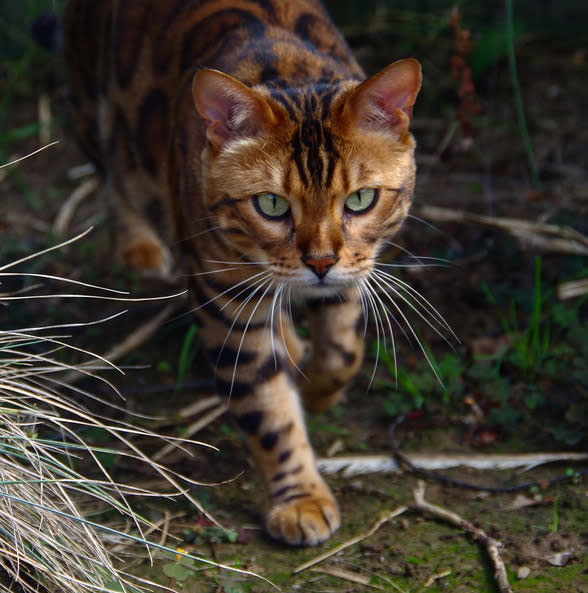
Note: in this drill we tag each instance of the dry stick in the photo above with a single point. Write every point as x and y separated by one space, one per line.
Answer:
191 430
132 341
347 575
45 118
354 540
22 158
69 207
199 406
570 290
488 542
565 238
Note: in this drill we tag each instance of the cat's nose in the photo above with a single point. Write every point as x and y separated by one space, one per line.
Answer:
320 265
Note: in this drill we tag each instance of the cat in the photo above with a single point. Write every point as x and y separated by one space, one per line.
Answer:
242 138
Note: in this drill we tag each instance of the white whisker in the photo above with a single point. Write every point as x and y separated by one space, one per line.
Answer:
231 288
378 320
271 320
236 263
389 324
252 314
378 281
213 228
425 222
398 285
280 318
260 284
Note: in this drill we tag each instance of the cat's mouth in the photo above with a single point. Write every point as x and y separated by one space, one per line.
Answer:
322 287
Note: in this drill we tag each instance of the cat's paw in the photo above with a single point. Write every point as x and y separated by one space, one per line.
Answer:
304 522
150 258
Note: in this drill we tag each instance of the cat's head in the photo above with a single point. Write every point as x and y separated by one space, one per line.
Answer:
310 182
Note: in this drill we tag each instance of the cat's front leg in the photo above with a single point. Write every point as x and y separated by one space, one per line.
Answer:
337 344
254 371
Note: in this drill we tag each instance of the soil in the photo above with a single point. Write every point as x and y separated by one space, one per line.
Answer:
486 173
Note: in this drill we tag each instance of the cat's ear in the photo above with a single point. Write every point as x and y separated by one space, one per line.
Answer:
384 101
229 108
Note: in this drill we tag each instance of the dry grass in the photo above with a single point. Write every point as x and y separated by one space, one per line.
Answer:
46 542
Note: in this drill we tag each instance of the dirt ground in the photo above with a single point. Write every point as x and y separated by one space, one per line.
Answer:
513 382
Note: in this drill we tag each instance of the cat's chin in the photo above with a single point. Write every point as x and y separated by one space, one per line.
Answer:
317 291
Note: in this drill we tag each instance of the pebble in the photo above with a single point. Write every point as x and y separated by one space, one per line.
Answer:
523 572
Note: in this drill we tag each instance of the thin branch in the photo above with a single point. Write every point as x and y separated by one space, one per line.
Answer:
191 430
67 211
547 236
354 540
480 536
22 158
570 290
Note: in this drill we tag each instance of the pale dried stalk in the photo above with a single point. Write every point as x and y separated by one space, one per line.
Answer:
22 158
191 430
353 465
67 211
570 290
354 540
488 542
347 575
547 236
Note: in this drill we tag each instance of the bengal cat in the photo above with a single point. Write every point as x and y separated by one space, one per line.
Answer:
243 134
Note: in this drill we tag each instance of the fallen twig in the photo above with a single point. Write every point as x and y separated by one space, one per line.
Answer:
353 465
570 290
536 234
191 430
436 577
419 471
22 158
354 540
198 406
348 575
488 542
67 211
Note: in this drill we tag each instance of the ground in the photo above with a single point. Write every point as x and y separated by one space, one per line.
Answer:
514 379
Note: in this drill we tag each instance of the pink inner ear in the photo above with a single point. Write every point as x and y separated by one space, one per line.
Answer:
385 101
229 108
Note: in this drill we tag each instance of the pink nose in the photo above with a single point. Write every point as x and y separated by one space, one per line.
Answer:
320 265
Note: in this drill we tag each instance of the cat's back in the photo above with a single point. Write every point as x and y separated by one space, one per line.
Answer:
130 60
124 42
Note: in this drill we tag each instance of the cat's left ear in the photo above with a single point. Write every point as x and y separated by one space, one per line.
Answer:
230 109
384 102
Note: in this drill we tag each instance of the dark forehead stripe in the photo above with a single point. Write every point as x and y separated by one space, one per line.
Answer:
313 149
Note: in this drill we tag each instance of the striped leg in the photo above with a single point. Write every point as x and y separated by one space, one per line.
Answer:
336 352
253 370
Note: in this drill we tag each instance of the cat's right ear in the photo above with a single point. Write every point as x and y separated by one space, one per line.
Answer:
229 108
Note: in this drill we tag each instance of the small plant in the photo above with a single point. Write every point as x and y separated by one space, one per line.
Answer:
189 351
444 381
531 347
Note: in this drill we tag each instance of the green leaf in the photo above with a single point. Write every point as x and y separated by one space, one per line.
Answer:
174 570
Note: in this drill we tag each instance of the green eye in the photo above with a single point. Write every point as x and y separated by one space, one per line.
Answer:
361 200
271 205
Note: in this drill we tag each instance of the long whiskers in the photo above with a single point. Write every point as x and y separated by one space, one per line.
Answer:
397 285
190 237
291 322
251 316
416 258
392 289
263 273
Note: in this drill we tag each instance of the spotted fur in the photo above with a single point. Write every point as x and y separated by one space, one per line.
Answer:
193 110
